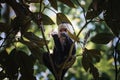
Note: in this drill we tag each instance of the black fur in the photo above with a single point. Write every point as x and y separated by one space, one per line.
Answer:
60 53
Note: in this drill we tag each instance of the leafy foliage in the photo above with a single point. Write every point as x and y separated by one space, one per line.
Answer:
61 18
102 38
15 60
16 31
95 8
87 59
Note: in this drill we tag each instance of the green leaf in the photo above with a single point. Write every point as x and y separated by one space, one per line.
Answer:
53 3
85 63
61 18
94 54
21 23
73 36
35 50
35 39
68 2
3 57
33 1
102 38
25 63
86 60
112 21
12 64
47 20
114 26
94 72
3 27
111 16
95 8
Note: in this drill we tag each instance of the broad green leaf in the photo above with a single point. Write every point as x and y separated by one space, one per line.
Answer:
85 63
95 8
74 37
86 60
94 72
113 25
35 50
26 22
94 54
3 57
21 23
3 27
61 18
68 2
35 39
33 1
44 18
12 64
102 38
25 63
53 3
47 20
111 17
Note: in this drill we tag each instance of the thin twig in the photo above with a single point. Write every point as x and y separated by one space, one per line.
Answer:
41 27
115 58
72 46
82 9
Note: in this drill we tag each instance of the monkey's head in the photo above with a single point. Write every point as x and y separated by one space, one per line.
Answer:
63 28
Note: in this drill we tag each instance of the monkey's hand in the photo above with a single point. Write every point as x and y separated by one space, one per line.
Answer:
54 33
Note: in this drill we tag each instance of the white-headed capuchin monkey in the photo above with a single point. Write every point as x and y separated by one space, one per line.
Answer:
61 49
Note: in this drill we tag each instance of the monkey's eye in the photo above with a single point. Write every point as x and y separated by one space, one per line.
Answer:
63 30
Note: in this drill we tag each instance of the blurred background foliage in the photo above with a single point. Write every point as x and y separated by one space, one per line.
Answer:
76 16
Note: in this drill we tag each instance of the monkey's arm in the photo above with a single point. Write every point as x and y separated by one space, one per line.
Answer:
57 43
68 44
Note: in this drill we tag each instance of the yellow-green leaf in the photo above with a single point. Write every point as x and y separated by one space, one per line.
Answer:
61 18
74 37
47 20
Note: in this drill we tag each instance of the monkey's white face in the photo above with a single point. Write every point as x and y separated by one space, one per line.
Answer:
61 36
61 31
